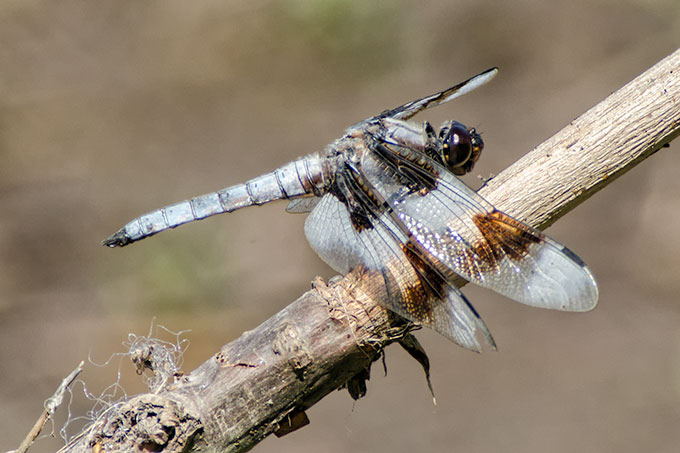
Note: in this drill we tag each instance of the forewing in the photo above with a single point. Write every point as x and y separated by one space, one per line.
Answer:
410 289
470 237
410 109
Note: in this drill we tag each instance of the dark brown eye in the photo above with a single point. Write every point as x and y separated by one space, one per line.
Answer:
456 145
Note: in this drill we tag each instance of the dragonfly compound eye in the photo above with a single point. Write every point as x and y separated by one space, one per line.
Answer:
457 146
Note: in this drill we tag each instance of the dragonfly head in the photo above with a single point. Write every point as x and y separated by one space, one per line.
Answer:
460 148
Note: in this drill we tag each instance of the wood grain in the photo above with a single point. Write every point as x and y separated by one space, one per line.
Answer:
593 150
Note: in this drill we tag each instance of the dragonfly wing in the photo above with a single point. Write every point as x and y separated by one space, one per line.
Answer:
302 205
412 108
411 288
470 237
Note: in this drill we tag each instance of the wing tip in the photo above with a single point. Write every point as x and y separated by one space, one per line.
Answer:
460 322
490 73
589 301
590 293
483 77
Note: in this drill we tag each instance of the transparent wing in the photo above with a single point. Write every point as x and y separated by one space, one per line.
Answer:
410 289
410 109
471 238
302 205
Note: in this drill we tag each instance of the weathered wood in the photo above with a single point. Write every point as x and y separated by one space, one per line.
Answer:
593 150
260 383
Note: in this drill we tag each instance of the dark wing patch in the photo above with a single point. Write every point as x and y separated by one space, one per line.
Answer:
410 167
428 285
503 237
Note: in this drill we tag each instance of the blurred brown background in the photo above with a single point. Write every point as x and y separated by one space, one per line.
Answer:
111 109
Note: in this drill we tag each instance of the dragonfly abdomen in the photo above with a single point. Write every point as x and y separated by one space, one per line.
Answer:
309 175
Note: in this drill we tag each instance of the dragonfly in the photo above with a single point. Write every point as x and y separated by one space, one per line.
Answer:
385 199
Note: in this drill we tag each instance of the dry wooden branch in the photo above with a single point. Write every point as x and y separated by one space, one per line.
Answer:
51 406
262 382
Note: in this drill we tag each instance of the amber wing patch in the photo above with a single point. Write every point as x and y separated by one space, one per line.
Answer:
419 295
503 236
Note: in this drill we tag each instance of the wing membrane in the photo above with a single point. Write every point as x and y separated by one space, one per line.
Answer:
471 238
412 108
411 289
302 205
